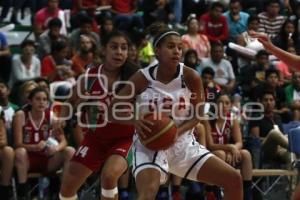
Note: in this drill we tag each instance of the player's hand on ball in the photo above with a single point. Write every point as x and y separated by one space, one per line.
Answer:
142 127
51 150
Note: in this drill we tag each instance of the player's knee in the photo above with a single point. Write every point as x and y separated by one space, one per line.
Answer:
220 154
20 156
8 152
246 156
234 180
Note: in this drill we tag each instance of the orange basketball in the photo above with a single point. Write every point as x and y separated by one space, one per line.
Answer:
163 132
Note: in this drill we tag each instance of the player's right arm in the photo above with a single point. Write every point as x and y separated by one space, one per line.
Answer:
293 61
18 123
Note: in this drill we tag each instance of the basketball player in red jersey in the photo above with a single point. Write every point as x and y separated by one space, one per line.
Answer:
35 152
105 145
177 90
224 138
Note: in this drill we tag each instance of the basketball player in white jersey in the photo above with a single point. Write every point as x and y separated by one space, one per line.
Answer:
176 89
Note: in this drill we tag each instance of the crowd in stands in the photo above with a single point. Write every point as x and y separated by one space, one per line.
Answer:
62 51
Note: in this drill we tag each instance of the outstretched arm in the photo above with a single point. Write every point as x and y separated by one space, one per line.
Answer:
293 61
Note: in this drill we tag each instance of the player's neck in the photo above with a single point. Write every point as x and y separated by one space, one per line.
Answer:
166 74
36 114
112 73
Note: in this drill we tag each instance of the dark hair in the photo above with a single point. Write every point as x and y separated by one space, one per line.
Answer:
216 5
214 45
188 53
271 71
190 18
128 69
54 22
85 20
283 36
252 18
208 70
234 1
114 34
2 81
266 92
158 39
261 53
37 90
41 79
269 2
28 43
58 46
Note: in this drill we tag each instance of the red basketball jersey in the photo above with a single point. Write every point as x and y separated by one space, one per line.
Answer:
96 109
221 135
34 133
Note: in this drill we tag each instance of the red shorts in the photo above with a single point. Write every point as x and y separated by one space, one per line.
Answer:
38 163
93 153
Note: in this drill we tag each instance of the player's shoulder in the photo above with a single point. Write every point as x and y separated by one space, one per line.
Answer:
190 73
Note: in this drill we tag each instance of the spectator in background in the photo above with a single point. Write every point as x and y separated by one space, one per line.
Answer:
85 28
288 36
191 59
8 109
214 24
49 36
133 55
25 66
271 83
285 74
225 140
56 66
43 16
271 21
84 8
195 40
145 49
23 92
211 89
224 75
32 128
125 16
253 74
107 26
5 58
292 92
7 161
155 11
269 132
237 20
85 55
245 40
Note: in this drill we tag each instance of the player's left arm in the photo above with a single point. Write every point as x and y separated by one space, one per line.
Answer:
194 83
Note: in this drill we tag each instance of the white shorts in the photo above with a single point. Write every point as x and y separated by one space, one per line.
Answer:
184 158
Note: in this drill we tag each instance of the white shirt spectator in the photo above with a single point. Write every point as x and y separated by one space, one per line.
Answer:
20 72
223 70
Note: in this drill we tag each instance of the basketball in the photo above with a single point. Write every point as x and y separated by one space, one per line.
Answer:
163 132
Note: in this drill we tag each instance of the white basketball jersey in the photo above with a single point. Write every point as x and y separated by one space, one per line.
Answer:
172 98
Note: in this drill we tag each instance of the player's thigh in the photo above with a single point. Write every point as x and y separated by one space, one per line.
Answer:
215 171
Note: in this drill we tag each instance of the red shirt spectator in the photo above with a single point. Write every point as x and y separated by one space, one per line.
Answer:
44 15
215 24
124 6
